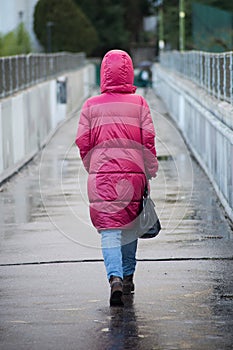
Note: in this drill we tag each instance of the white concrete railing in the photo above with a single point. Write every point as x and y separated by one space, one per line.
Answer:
206 124
211 71
29 118
22 71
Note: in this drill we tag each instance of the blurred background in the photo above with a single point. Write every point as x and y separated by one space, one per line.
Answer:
141 27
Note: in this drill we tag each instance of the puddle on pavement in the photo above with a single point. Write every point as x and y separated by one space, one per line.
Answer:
186 319
55 182
21 200
165 158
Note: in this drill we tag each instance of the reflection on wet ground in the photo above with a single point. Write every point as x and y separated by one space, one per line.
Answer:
177 305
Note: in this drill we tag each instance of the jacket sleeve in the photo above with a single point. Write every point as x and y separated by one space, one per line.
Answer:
83 137
148 142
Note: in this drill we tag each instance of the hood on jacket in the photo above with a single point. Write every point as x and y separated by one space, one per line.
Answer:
116 73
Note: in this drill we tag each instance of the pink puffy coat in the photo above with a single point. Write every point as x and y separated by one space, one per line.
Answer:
116 141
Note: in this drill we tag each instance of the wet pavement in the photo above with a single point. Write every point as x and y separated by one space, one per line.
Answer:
53 291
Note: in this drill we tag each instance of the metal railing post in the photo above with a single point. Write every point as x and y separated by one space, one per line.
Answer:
212 72
20 72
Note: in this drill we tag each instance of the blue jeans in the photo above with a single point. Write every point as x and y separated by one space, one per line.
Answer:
119 259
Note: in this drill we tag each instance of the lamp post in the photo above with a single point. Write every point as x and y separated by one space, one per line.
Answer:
161 32
181 25
159 5
49 36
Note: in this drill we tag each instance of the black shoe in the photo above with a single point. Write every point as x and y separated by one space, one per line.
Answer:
116 291
128 285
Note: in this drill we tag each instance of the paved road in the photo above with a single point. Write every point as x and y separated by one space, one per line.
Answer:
54 294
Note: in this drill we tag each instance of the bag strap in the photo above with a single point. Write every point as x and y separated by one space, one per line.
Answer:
146 191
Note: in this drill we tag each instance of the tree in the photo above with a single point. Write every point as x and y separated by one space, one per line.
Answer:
134 11
107 17
70 29
15 42
22 39
117 22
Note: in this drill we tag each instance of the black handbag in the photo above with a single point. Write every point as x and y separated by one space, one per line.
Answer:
148 225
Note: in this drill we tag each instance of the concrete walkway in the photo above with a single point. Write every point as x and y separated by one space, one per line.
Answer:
54 293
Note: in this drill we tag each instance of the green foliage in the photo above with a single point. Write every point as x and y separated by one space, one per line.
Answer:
70 30
117 22
105 14
171 26
23 39
15 42
135 10
108 19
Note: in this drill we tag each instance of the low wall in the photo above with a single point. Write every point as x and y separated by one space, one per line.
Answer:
29 118
206 125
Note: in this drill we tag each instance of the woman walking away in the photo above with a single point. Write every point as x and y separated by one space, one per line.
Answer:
116 141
